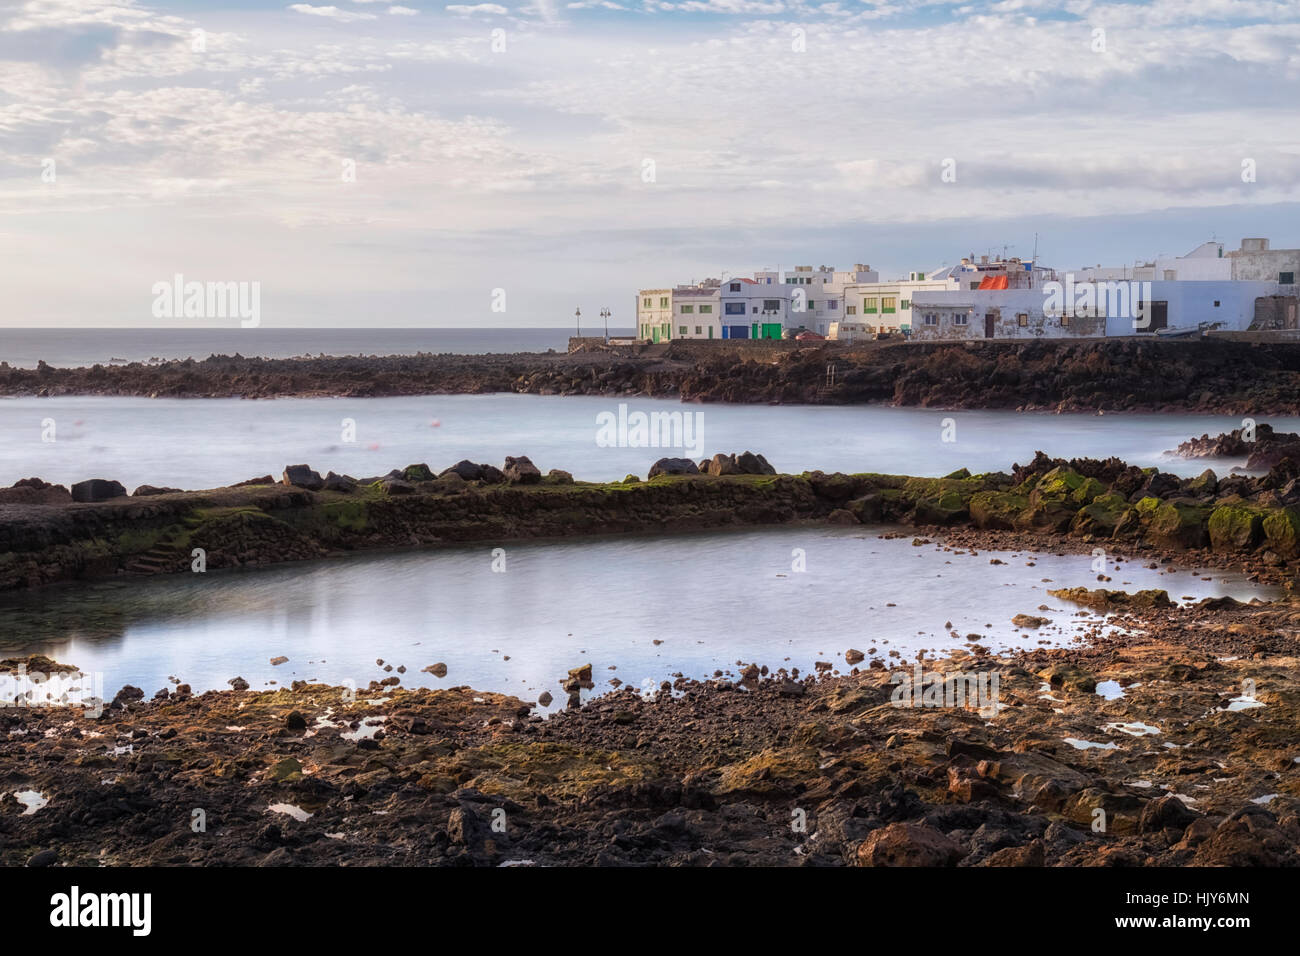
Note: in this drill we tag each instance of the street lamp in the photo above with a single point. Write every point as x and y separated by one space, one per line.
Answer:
577 318
605 314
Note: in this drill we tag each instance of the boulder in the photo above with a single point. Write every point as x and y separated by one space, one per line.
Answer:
842 516
97 489
1282 531
521 471
396 486
723 465
302 476
148 491
466 469
673 466
751 464
492 475
343 483
1234 528
908 844
557 477
417 473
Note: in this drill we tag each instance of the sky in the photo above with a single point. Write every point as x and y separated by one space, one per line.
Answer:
375 164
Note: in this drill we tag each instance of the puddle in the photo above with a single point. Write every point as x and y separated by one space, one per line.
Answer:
1110 690
1238 703
368 728
32 800
1134 729
1266 798
1078 744
298 813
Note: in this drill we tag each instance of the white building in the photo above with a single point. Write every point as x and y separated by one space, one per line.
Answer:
755 308
654 314
696 311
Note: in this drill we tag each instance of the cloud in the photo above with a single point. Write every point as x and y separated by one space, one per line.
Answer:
333 13
477 9
469 154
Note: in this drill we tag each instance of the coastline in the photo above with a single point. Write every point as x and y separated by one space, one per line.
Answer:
1220 376
775 770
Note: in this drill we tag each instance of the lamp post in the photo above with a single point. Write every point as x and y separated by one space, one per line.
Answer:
605 314
577 318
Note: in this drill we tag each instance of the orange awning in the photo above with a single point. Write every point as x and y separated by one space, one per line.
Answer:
993 282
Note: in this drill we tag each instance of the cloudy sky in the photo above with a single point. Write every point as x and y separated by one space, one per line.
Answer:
570 152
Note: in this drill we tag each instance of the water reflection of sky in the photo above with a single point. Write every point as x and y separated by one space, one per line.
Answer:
134 440
712 599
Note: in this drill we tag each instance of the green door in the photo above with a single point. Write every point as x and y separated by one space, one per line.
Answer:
654 334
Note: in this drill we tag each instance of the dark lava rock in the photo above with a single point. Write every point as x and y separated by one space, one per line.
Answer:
44 858
237 683
673 466
148 491
302 476
97 489
343 483
396 486
521 471
295 721
126 695
466 469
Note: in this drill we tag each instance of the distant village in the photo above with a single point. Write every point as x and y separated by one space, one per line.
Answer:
1210 289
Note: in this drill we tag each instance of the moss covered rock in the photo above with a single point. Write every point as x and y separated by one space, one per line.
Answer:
1101 517
997 509
1282 532
1178 524
1234 528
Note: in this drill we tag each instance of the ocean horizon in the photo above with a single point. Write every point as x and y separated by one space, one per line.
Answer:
70 347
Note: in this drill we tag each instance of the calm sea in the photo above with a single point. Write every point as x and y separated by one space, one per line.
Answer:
75 347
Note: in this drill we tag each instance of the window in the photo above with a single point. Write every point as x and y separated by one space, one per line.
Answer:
850 310
706 310
907 304
734 287
1286 278
869 305
1065 319
697 330
663 302
1216 303
1022 319
681 330
754 310
889 304
734 308
812 304
974 285
832 304
931 318
771 305
646 303
960 318
688 309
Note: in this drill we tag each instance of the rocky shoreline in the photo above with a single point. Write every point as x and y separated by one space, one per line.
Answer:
1166 736
49 533
1188 758
1218 376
